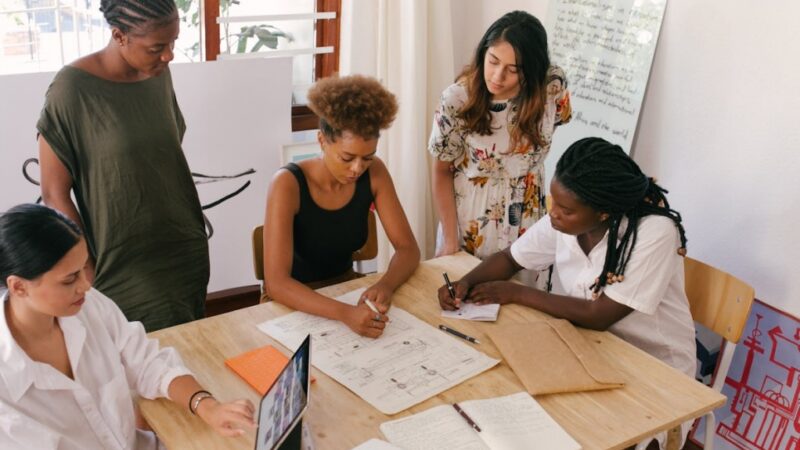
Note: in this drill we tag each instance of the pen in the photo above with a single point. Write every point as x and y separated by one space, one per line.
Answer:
373 308
467 418
459 334
449 286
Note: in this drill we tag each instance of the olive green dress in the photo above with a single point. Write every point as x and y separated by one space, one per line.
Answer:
121 142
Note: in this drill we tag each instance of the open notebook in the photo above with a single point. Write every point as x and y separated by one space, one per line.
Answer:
515 421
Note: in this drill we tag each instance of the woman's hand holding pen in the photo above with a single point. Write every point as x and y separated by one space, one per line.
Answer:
501 292
380 295
448 302
228 419
364 321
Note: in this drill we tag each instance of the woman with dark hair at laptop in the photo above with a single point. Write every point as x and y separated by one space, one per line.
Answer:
69 358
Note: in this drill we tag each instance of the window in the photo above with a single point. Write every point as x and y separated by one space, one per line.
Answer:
307 29
43 35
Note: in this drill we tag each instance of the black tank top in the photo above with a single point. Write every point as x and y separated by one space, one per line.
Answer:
324 240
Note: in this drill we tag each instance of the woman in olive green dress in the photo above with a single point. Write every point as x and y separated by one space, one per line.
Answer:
110 132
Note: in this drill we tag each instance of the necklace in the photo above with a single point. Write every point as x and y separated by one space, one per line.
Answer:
497 107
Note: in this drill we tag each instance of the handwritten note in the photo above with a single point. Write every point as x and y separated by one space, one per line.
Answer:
606 49
512 422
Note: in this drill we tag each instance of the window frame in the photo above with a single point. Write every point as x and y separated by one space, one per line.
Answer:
325 65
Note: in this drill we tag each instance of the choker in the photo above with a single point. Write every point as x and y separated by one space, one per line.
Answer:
497 107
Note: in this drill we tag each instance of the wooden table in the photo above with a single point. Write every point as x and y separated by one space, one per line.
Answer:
654 398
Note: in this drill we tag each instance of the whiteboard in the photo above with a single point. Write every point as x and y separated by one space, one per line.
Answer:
238 116
606 50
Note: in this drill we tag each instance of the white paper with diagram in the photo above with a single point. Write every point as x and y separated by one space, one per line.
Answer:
411 362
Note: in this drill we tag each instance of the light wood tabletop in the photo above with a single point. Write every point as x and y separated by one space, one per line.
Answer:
655 397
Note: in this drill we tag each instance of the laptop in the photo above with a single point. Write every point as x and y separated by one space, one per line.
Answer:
285 402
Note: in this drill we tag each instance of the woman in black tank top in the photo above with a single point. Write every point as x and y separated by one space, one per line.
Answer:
317 210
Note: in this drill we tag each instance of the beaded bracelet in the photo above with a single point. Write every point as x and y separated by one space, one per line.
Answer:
195 402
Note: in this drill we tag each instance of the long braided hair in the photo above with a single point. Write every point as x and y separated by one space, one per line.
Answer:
127 14
605 178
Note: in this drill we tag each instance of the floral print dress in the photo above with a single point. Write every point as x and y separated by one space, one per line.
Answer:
499 190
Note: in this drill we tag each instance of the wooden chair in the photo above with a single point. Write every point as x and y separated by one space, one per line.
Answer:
365 253
720 302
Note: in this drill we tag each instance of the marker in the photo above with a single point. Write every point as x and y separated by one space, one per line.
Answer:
449 286
458 334
467 418
373 308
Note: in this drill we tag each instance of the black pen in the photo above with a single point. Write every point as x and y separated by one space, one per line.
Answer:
449 286
459 334
467 418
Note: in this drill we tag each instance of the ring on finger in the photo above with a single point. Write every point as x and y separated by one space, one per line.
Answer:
377 318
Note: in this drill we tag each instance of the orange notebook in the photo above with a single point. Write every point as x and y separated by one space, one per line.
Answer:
259 367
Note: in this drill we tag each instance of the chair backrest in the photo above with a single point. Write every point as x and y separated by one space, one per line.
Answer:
367 252
719 301
258 252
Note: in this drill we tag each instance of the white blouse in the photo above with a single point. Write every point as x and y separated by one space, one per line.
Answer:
660 323
42 408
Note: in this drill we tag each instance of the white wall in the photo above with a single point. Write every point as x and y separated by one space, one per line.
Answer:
720 128
237 115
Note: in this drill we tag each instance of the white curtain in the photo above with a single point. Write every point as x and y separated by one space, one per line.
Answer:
408 45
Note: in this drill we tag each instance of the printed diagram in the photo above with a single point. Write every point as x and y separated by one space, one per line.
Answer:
411 358
764 410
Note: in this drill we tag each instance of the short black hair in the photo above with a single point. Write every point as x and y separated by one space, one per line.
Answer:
33 239
605 178
127 14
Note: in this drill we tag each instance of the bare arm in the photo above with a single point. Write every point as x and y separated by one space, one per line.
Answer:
486 284
283 202
228 419
406 251
56 185
444 199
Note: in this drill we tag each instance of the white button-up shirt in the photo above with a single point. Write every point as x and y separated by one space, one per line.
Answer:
41 408
660 323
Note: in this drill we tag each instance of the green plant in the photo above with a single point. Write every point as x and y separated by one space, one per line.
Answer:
266 35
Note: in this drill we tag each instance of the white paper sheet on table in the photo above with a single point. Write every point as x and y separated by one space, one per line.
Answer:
411 362
376 444
471 311
511 422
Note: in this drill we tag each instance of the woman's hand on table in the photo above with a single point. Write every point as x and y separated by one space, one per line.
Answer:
364 321
380 296
450 303
228 419
500 292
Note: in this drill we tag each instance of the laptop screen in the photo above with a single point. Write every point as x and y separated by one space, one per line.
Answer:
285 401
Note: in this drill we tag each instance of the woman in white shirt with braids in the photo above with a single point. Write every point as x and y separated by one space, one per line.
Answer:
68 357
617 248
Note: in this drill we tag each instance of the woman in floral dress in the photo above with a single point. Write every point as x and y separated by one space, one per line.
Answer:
490 136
